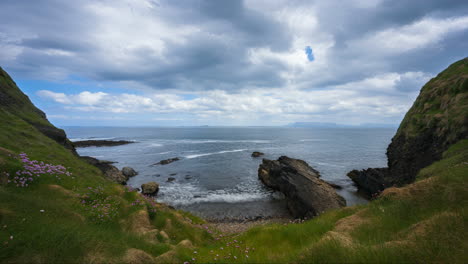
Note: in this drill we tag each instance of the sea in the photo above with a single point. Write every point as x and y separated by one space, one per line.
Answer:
216 177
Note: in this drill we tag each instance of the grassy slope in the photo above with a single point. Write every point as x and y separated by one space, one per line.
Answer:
422 222
67 231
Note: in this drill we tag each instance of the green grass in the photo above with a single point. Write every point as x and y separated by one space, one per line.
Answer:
67 231
424 222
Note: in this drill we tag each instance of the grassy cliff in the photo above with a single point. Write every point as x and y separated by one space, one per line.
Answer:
69 213
437 119
73 214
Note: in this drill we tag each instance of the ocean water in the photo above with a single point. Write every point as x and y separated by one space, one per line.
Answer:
216 177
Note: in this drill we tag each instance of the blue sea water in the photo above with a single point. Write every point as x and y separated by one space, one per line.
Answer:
216 177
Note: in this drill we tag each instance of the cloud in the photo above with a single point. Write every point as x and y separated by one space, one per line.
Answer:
248 54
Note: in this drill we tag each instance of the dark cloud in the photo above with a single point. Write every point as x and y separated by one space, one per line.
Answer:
59 38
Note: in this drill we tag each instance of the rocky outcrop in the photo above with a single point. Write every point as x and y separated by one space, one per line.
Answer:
150 188
167 161
307 195
374 180
100 143
110 172
129 172
437 119
257 154
17 103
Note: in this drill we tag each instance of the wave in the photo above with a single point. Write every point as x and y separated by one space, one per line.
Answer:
91 138
311 140
213 153
204 141
166 152
177 195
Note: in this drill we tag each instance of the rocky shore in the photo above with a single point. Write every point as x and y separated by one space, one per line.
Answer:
100 143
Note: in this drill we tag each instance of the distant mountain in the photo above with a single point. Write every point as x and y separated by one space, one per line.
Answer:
335 125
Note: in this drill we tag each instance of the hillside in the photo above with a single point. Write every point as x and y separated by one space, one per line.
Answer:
71 213
437 119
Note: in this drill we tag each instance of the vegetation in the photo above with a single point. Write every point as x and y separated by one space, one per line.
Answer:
60 209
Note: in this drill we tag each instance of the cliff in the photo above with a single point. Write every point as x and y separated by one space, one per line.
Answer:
437 119
15 102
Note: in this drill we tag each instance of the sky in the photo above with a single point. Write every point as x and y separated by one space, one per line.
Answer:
238 63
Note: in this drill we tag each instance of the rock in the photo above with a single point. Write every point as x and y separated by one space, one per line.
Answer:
306 194
100 143
129 172
167 161
257 154
173 174
111 172
188 177
170 179
150 188
371 181
335 186
436 120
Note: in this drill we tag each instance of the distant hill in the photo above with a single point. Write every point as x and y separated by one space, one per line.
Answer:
335 125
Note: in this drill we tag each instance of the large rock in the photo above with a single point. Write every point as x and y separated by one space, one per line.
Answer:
306 194
129 172
150 188
111 172
437 119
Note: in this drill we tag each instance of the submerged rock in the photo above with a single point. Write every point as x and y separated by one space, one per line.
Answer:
306 194
170 179
150 188
167 161
257 154
129 172
111 172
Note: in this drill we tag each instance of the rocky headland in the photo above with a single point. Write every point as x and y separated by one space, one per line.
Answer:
437 119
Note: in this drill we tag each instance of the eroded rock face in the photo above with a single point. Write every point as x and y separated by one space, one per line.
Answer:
307 195
111 172
437 119
150 188
129 172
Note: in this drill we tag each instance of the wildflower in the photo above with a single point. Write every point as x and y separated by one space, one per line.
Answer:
41 211
11 237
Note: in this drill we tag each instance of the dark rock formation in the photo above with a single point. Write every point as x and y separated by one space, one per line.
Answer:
374 180
111 172
335 186
437 119
170 179
100 143
17 103
257 154
129 172
167 161
150 188
306 194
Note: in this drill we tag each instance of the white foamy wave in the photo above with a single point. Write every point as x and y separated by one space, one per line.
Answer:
188 194
203 141
91 138
166 152
311 140
213 153
329 164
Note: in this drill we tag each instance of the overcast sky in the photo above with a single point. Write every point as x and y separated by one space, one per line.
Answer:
214 62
